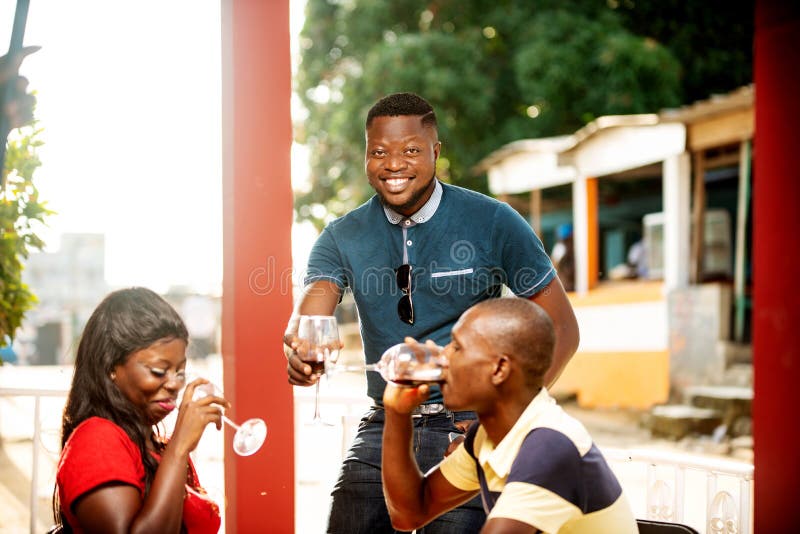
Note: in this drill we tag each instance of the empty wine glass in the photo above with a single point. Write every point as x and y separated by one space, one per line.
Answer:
249 435
319 343
405 364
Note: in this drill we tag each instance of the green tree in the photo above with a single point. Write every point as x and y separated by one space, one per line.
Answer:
20 212
712 39
495 70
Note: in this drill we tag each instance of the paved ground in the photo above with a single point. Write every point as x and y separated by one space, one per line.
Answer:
343 401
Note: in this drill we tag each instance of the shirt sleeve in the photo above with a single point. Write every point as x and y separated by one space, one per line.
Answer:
325 261
98 452
527 265
459 470
542 488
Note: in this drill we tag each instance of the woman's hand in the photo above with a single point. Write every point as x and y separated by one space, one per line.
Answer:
195 414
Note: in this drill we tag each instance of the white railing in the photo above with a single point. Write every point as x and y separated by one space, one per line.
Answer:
661 485
717 501
37 395
668 496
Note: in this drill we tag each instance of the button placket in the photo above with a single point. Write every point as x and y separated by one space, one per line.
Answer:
408 242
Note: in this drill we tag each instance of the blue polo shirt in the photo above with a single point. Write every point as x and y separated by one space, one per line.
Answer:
463 253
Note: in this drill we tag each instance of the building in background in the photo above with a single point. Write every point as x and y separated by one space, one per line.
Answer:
202 315
666 198
68 283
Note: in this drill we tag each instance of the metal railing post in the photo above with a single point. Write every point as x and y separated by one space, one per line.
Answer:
651 480
35 466
680 482
745 486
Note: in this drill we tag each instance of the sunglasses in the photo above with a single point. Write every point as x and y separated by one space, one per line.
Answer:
405 309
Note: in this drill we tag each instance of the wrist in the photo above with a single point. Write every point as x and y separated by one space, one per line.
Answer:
175 451
395 414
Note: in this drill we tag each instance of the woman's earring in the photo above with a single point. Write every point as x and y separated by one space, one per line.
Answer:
113 376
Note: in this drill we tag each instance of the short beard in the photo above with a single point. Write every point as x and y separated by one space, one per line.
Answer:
411 201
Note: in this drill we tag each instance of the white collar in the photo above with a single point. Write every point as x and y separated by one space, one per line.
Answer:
502 455
423 214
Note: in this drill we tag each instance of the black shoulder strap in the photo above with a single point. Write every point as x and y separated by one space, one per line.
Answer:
469 438
469 445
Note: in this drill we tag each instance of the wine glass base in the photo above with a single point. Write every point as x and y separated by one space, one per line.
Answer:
250 436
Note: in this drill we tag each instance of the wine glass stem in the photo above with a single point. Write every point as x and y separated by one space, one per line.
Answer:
316 401
231 423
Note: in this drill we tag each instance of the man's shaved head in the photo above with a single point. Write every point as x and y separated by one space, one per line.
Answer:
517 328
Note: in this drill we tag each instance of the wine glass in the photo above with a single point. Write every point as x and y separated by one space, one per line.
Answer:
405 364
319 343
249 435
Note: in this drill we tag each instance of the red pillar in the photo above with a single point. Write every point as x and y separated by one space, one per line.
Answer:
776 259
257 218
593 231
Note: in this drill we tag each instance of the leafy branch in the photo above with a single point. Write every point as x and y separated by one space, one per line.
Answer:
21 210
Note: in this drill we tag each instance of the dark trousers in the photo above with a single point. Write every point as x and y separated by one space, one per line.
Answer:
358 506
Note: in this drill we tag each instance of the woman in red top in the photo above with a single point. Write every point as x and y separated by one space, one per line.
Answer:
117 473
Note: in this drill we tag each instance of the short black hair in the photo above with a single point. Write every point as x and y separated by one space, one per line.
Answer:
398 104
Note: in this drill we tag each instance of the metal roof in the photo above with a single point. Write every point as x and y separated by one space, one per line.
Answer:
740 98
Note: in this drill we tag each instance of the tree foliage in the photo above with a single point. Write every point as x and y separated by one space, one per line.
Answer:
712 39
20 211
495 71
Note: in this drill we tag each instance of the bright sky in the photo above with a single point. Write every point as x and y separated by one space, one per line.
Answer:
129 99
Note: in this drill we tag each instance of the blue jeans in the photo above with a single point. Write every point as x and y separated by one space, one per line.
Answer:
358 506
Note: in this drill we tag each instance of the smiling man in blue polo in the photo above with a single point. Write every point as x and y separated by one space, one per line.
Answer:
415 256
534 466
